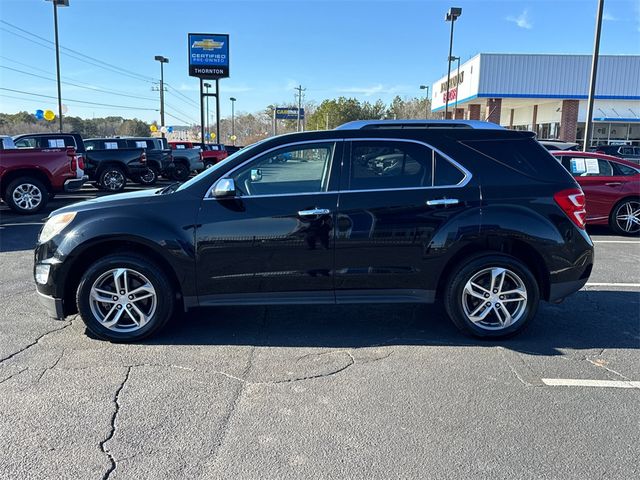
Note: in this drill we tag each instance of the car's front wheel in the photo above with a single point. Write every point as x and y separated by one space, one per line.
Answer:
625 217
491 296
123 298
181 171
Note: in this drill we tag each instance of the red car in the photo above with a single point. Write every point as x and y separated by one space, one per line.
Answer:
611 186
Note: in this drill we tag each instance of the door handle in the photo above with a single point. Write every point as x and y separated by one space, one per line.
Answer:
613 184
443 201
314 212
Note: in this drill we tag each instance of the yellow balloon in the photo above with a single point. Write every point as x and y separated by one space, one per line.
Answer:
213 135
49 115
153 128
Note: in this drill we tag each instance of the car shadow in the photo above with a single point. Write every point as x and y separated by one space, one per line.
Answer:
587 320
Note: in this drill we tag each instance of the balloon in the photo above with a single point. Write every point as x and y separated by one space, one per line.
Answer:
39 114
65 109
49 115
170 129
163 129
213 135
207 135
153 128
233 138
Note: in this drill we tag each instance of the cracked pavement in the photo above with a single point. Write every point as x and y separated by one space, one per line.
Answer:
322 391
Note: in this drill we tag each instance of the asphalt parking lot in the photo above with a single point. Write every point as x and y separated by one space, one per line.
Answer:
321 391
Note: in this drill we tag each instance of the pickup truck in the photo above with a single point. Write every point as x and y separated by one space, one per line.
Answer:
158 155
188 157
213 153
108 169
29 177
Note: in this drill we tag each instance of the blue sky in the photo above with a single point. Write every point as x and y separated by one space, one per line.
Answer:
365 49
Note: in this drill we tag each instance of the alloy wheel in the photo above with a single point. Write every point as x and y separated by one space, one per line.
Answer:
123 300
149 176
113 180
494 298
27 196
628 216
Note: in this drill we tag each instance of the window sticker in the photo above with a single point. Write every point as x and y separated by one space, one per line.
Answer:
111 145
592 165
578 166
141 144
56 143
180 147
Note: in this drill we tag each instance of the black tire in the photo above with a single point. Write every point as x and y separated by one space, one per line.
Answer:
26 195
181 171
208 165
112 179
622 208
149 178
159 315
456 300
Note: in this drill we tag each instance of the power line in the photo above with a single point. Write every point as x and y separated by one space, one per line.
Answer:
95 64
191 101
129 72
179 111
79 101
95 89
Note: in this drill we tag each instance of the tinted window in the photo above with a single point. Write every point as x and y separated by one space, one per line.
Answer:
388 164
624 170
294 169
446 173
524 155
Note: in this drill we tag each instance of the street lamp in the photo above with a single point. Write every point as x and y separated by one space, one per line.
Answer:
456 59
452 16
56 4
162 61
233 120
426 108
207 86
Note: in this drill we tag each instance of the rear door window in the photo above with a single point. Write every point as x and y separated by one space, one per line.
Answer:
445 173
388 164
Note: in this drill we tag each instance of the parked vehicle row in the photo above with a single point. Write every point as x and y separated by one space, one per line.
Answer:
480 218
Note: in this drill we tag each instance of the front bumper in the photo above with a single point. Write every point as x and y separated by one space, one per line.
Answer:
75 184
53 306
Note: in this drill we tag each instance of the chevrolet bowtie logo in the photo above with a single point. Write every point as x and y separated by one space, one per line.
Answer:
207 44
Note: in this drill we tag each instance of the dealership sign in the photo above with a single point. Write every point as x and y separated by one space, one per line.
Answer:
208 55
288 113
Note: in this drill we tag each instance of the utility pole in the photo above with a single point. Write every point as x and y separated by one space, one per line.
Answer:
452 16
588 126
299 94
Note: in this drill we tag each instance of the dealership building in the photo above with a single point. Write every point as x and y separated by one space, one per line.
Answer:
546 94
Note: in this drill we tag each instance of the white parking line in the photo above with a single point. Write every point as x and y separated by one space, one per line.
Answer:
597 284
616 241
573 382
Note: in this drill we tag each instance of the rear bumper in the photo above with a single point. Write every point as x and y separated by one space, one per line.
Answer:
53 306
75 184
558 291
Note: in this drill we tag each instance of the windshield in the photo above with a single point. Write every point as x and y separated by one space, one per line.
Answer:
219 165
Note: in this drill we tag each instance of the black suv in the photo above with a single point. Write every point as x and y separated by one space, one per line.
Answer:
483 219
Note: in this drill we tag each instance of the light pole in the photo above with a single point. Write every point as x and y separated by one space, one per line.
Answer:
162 61
208 86
233 120
588 126
56 4
452 16
456 59
426 107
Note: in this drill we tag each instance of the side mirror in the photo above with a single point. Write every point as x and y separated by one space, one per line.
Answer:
256 175
225 187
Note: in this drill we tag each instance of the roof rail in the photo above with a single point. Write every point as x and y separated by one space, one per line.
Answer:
416 124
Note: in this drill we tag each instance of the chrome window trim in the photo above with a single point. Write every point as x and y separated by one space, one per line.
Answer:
465 180
462 183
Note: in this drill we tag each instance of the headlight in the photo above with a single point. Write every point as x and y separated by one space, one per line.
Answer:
55 225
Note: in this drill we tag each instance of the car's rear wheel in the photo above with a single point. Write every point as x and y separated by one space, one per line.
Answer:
625 217
26 195
181 171
148 178
491 296
122 298
112 179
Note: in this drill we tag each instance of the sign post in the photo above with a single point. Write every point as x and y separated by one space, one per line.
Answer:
209 60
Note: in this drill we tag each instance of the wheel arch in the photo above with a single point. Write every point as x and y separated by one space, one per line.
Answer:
9 177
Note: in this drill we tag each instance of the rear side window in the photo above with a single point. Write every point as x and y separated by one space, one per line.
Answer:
26 143
523 155
388 164
624 170
445 173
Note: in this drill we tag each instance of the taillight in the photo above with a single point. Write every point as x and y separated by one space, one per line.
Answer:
81 162
73 166
572 202
143 158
